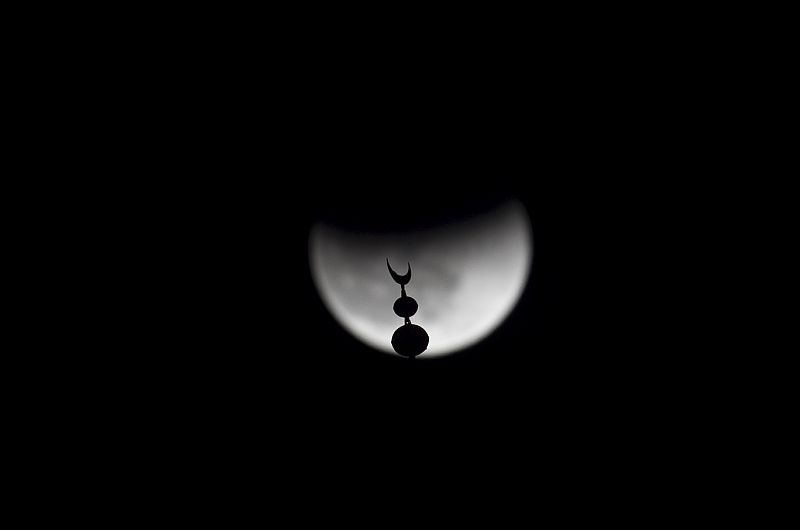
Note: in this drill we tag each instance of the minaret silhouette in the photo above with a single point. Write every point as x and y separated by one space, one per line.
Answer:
409 340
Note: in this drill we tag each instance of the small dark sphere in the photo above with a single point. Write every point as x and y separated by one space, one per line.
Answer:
405 307
410 340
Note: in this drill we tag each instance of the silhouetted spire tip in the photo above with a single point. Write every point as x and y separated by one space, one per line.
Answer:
402 280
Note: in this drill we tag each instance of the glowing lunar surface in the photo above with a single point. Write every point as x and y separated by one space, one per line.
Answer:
467 277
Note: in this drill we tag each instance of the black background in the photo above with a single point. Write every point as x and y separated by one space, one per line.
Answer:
251 337
213 365
248 368
229 347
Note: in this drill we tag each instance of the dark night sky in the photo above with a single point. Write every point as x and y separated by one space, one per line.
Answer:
259 333
226 362
254 358
238 338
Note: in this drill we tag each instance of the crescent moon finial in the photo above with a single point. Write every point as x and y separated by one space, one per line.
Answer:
402 280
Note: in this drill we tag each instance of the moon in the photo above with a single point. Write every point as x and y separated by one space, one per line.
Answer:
467 277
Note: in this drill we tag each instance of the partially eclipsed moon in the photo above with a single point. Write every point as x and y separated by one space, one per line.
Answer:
467 278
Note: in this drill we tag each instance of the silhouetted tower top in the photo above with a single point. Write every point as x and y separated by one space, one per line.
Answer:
409 340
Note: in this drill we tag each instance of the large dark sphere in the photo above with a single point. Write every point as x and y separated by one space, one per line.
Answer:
405 307
410 340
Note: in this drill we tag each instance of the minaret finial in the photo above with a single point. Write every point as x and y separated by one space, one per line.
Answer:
409 340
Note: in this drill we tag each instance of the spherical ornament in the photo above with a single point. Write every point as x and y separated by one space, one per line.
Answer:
410 340
405 307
